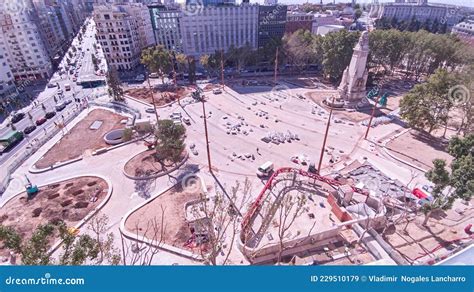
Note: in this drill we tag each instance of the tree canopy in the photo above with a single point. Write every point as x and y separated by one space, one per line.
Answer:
170 140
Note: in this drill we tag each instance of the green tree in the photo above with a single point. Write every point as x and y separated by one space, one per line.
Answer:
337 48
182 62
439 176
158 60
191 69
457 184
170 140
427 105
357 14
115 85
462 167
35 250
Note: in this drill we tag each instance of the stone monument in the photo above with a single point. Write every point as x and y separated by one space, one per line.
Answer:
352 86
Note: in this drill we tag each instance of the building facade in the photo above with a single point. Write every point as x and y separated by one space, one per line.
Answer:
7 80
271 24
218 28
419 10
298 20
23 45
323 20
123 31
465 28
166 27
210 2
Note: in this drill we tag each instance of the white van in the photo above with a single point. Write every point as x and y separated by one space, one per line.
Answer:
265 169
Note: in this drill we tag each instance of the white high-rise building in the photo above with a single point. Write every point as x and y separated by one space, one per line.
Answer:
218 28
123 31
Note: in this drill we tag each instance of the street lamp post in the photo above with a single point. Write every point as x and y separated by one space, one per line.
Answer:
371 117
326 136
206 133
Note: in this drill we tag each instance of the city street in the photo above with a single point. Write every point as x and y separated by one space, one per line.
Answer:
46 97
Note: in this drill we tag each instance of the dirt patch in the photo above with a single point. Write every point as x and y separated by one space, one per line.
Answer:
146 164
424 243
175 228
161 96
80 138
419 149
50 205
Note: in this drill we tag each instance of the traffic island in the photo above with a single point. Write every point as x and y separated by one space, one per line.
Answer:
162 95
146 165
162 220
87 134
71 201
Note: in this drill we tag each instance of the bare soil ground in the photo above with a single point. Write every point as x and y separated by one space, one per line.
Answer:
419 149
69 201
146 164
443 227
161 96
147 221
80 138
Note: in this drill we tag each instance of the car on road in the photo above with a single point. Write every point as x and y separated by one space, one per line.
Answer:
74 79
68 101
16 117
217 91
154 75
29 129
187 121
265 170
41 121
150 110
49 115
51 85
60 106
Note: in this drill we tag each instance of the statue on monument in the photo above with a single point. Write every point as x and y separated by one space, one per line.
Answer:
354 79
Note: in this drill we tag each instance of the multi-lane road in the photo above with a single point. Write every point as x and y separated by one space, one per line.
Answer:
47 96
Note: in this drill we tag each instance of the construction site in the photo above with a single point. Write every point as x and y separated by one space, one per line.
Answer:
302 214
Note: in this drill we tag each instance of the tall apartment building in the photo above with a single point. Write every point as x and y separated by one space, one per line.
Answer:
271 24
23 45
123 31
420 10
218 28
7 84
166 27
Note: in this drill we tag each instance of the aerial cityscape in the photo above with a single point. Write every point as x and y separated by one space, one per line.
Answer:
216 132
